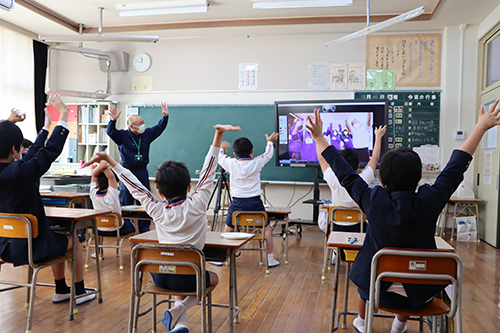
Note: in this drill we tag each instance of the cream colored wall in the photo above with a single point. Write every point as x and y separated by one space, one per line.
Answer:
205 71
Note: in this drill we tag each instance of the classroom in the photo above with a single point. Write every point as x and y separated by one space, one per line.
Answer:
228 62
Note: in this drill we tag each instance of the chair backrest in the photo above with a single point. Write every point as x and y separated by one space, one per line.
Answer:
168 259
249 219
417 266
346 214
112 220
20 226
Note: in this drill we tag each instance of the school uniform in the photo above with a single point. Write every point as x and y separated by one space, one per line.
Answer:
109 200
134 154
244 177
399 219
19 193
179 221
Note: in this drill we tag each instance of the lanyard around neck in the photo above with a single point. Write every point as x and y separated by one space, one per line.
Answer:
138 145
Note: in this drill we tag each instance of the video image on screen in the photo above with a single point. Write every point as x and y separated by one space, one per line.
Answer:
345 125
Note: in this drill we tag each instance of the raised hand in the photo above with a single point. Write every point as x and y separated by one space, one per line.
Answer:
98 158
225 145
273 137
113 113
316 126
491 118
48 121
380 131
164 109
58 104
226 128
16 116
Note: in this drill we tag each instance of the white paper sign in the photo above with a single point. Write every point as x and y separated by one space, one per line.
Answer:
318 75
248 76
487 167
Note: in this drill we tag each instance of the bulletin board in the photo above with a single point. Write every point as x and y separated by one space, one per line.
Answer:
416 58
412 117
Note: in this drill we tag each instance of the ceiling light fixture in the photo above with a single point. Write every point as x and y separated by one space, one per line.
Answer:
100 37
163 8
280 4
379 26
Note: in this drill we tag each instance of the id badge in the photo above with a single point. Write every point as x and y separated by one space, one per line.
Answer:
138 157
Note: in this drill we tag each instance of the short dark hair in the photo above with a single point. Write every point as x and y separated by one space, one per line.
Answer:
242 147
102 181
26 143
351 156
401 170
10 136
172 179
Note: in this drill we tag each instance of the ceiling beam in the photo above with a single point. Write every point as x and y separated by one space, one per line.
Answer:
49 14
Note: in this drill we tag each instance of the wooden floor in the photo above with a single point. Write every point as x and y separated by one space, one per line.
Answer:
292 298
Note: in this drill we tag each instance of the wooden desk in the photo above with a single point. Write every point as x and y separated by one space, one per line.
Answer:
461 207
281 214
79 218
340 240
214 241
135 213
64 199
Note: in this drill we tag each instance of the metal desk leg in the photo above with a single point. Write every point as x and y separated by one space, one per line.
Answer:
98 262
286 240
346 295
232 262
235 286
334 297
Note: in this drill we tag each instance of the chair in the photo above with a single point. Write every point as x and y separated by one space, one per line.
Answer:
339 214
115 221
26 226
254 222
167 259
431 267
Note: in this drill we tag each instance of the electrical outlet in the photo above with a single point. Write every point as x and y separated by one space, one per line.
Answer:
459 135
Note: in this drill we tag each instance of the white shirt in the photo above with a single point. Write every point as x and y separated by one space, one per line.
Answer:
182 221
105 201
340 197
244 173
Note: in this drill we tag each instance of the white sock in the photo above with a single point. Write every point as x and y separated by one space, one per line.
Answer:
188 303
270 256
398 324
360 321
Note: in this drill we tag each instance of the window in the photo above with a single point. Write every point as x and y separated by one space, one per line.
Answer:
16 79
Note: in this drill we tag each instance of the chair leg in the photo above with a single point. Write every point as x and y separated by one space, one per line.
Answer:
203 315
89 244
32 301
368 317
29 280
153 330
266 258
120 249
326 253
136 314
434 324
209 312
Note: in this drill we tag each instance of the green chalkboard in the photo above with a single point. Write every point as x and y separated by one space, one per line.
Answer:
189 134
413 116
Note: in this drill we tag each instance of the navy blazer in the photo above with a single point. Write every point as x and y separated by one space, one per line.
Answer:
125 141
19 193
399 219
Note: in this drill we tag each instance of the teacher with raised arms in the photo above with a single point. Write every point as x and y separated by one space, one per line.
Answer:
133 145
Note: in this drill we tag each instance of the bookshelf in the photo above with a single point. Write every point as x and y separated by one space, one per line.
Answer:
87 123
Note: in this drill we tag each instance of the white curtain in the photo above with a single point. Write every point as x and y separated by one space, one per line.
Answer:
16 79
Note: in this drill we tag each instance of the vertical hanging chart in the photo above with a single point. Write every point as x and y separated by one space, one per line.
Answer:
412 117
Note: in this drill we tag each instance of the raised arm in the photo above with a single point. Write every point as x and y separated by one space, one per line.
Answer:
111 130
347 126
158 129
379 133
40 139
16 116
484 123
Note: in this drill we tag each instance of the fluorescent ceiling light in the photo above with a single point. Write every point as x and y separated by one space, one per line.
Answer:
163 8
379 26
276 4
6 5
97 38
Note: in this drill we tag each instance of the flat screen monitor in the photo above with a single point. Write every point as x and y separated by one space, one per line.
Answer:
346 124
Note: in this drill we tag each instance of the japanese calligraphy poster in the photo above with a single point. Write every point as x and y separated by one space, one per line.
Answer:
356 76
318 75
416 58
338 76
248 76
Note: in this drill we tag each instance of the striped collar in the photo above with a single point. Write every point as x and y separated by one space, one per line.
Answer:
244 158
176 201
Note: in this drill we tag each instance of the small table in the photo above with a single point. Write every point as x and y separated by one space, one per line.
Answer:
79 218
340 240
461 207
213 244
64 199
135 213
281 214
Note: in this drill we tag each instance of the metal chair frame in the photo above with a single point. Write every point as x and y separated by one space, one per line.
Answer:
257 221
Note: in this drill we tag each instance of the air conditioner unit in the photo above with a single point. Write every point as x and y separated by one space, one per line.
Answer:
6 5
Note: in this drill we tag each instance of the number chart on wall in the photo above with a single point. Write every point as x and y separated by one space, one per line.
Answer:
412 117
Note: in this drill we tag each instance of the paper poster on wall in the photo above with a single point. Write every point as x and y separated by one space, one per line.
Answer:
318 75
429 155
338 76
356 76
487 167
380 79
142 83
248 76
416 58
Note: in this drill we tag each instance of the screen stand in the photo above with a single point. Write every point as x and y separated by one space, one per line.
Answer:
314 201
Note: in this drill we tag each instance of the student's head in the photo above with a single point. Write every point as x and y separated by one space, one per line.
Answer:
25 146
11 138
345 132
351 156
242 147
400 170
172 179
102 181
136 125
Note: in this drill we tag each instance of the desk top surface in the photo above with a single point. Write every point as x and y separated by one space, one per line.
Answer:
340 239
278 210
214 239
53 194
455 199
73 213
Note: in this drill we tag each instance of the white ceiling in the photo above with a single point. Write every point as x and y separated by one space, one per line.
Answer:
446 12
